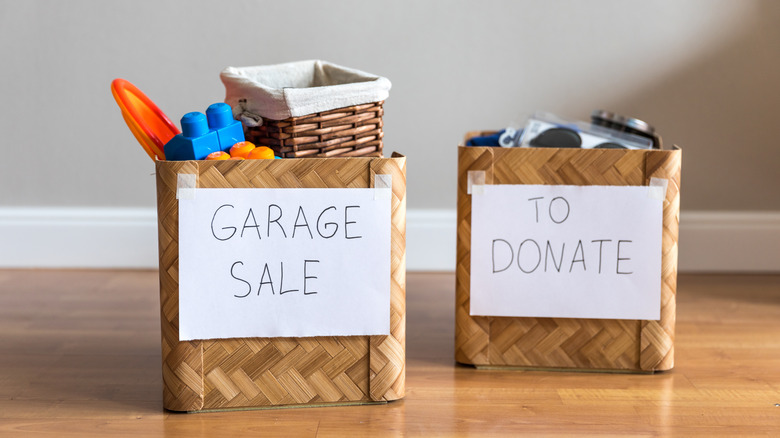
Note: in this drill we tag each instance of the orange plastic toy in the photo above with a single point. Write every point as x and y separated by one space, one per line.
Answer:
218 155
241 149
261 153
150 126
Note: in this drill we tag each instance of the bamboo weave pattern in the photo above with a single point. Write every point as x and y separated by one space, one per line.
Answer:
640 346
267 372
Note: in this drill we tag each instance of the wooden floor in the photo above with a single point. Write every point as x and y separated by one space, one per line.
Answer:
80 356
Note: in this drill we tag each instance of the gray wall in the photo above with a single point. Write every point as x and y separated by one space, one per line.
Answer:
706 73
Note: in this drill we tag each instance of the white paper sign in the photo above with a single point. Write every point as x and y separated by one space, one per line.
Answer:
566 251
284 262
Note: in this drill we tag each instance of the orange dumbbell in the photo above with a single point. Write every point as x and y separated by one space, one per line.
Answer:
241 149
218 155
261 153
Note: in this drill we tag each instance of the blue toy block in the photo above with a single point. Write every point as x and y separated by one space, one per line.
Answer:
229 131
195 142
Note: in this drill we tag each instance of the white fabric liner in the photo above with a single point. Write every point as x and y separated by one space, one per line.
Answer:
297 89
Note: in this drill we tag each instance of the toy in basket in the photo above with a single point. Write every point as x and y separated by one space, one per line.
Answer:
309 108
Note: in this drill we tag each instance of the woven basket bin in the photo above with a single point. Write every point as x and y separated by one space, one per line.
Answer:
354 131
567 343
244 373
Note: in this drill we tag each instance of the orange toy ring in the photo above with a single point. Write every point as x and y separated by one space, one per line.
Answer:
150 126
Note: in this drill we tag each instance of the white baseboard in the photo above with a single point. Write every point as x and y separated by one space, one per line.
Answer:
729 241
78 238
127 238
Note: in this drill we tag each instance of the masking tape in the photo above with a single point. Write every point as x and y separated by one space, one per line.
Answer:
385 184
657 188
476 181
186 183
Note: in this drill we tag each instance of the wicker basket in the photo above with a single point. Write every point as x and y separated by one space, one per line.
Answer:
309 108
244 373
564 343
354 131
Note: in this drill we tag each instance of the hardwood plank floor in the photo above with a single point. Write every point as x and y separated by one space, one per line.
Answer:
80 356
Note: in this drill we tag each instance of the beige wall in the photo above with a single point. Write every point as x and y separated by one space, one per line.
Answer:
706 73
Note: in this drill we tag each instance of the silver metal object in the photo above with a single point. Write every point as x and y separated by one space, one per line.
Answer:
624 124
